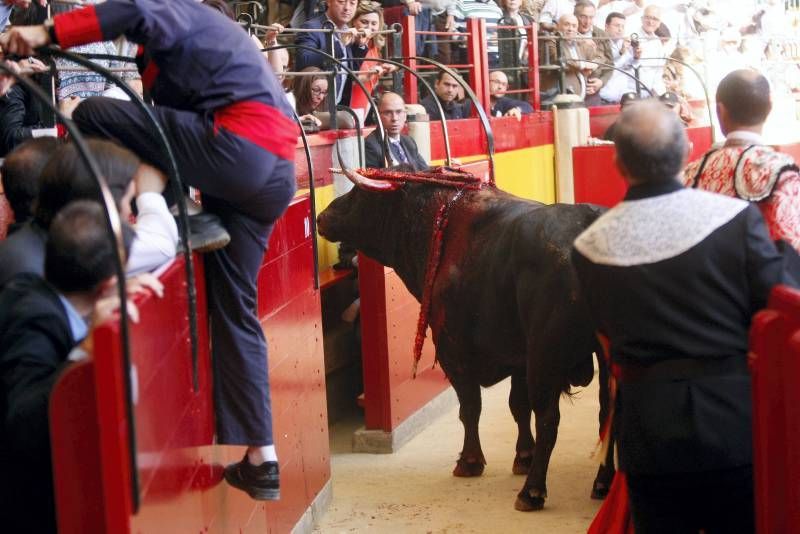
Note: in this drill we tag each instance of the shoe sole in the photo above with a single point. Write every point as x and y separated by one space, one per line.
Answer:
257 494
210 244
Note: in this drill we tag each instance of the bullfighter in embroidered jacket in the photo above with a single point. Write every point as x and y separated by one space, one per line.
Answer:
672 277
231 129
744 167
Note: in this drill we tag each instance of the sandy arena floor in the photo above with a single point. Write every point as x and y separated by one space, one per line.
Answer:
412 491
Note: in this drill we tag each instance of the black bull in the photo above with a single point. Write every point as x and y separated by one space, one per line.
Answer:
505 301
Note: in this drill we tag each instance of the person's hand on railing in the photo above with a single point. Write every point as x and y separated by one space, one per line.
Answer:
144 283
68 105
414 8
271 38
363 36
593 85
310 117
450 23
23 40
348 36
514 112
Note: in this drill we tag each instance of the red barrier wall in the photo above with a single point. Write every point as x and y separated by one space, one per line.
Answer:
775 345
596 178
180 469
388 325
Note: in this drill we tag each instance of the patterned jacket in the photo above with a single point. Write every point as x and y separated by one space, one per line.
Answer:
746 169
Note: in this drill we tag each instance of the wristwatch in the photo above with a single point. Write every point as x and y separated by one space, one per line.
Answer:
50 26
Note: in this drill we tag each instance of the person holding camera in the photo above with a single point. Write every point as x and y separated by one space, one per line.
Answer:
649 51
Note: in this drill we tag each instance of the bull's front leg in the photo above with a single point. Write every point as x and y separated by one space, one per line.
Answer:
471 460
548 416
520 406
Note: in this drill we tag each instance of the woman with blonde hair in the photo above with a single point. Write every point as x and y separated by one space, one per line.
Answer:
367 21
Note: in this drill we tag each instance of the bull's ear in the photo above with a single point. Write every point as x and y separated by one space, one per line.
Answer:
368 184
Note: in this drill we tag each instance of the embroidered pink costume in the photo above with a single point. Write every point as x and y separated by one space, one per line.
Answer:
744 167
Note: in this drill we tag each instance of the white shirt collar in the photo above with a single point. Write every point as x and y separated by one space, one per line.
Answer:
743 136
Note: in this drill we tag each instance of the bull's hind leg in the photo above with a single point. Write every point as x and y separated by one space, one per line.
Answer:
534 492
520 406
471 460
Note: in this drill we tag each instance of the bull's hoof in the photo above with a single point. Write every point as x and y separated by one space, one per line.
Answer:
529 501
599 491
466 468
522 463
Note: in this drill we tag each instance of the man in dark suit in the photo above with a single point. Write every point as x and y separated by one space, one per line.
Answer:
504 106
401 148
446 89
41 322
338 16
673 277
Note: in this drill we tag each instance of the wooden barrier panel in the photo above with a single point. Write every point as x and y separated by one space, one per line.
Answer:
775 344
180 468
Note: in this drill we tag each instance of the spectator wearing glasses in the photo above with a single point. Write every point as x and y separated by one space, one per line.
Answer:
504 106
594 39
574 51
649 50
401 149
308 95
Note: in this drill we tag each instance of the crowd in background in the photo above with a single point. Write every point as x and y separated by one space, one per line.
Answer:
606 48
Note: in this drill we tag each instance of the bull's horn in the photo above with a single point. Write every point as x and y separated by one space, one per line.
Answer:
367 183
362 181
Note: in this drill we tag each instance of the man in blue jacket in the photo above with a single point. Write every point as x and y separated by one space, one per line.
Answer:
337 17
230 126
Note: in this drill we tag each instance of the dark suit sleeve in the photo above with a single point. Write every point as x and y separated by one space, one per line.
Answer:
765 266
33 357
12 119
430 108
412 150
308 58
373 158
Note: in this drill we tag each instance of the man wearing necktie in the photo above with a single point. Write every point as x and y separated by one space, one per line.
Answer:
402 150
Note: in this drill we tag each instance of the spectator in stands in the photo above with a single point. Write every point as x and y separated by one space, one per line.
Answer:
369 19
513 44
554 10
618 83
309 95
487 10
65 178
648 50
20 174
446 89
41 322
278 59
745 167
75 82
673 277
598 39
21 114
338 17
502 105
573 51
402 149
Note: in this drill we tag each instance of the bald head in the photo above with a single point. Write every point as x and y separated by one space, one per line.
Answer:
743 100
568 25
392 110
498 83
650 142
